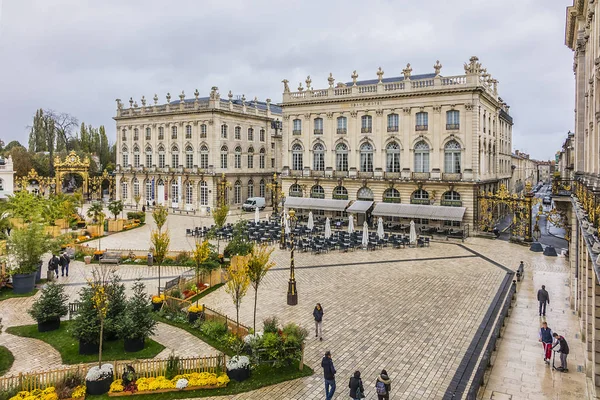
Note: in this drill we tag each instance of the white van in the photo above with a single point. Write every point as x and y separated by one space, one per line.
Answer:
253 202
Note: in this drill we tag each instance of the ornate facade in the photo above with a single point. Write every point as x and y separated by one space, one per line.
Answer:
7 177
185 153
421 139
523 171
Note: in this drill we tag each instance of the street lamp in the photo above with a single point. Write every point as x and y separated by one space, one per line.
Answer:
223 185
292 294
274 188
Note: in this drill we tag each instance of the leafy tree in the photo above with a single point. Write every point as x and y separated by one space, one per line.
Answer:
160 242
115 207
51 305
115 292
12 144
258 266
219 217
160 215
26 246
95 211
21 159
237 282
25 205
138 323
200 255
238 244
86 327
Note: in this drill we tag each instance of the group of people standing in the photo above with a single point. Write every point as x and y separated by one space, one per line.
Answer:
550 340
61 261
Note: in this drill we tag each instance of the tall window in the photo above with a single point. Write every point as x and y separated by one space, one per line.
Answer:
262 135
204 157
203 130
452 157
250 158
173 132
391 195
174 157
342 125
189 157
392 122
136 134
261 188
297 154
317 192
366 157
148 156
224 155
189 192
161 133
318 126
136 157
341 157
340 193
261 158
148 190
296 190
318 157
237 157
203 193
297 127
422 121
124 135
223 131
125 157
452 119
174 191
188 132
250 134
237 192
124 190
393 157
250 188
161 157
148 134
136 187
421 157
237 133
366 124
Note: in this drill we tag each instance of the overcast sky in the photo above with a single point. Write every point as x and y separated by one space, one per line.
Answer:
78 56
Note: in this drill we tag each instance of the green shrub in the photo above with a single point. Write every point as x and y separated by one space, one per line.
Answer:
214 329
270 325
8 393
182 257
51 305
294 332
137 215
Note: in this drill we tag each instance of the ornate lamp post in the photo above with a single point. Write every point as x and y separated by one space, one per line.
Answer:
274 188
223 185
282 241
292 294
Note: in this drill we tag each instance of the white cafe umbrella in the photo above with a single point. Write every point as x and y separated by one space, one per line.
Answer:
380 232
327 228
256 215
311 223
287 224
413 233
365 237
350 223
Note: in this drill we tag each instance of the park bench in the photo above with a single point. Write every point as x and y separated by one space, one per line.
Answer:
110 258
74 309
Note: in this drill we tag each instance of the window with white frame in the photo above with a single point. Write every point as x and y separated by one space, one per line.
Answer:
393 157
189 157
148 190
250 134
136 157
340 193
136 188
161 133
342 125
452 119
250 158
317 192
203 193
237 192
296 190
188 131
297 127
452 157
318 157
174 157
237 133
124 190
365 194
224 155
173 132
392 122
261 158
136 134
161 157
297 155
125 157
262 135
148 134
341 157
203 131
204 157
250 188
237 157
318 126
223 131
420 194
262 188
366 124
189 193
422 121
391 195
366 157
422 157
174 191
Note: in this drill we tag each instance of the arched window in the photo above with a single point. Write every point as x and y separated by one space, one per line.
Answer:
173 132
148 134
340 193
161 133
341 157
391 195
124 190
136 156
237 133
364 193
392 122
161 157
451 198
224 154
174 157
261 188
261 158
452 119
189 193
237 157
297 125
419 196
342 125
318 157
189 157
188 134
366 157
422 121
392 157
125 156
204 157
203 131
422 157
318 126
296 190
203 193
224 131
250 188
317 192
452 157
148 152
250 157
250 134
366 124
297 154
136 187
237 192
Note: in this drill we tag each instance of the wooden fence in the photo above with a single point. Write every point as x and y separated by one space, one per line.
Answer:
41 380
212 315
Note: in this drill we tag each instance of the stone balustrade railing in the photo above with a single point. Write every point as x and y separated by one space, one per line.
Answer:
187 107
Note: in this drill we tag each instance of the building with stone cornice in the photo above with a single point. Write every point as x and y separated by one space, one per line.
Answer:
426 139
523 172
176 154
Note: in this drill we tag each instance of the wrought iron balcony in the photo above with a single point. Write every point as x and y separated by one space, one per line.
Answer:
367 129
421 127
562 187
297 132
341 131
446 176
392 128
318 131
451 127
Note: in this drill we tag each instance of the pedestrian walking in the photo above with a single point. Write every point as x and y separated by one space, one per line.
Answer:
546 339
318 315
357 391
383 386
563 350
543 298
143 208
65 264
329 375
53 264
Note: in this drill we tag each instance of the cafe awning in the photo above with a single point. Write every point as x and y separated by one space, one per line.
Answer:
306 203
442 213
359 206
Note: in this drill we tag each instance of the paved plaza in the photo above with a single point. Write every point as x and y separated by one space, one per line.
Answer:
415 312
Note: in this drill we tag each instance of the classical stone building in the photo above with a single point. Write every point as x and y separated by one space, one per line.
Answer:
565 158
523 171
7 177
179 154
425 139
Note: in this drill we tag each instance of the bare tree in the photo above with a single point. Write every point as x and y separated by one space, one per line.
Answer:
65 124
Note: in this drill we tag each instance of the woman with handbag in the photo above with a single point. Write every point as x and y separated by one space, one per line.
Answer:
357 390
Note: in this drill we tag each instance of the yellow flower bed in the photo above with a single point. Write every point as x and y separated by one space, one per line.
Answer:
195 309
158 299
196 379
79 392
38 394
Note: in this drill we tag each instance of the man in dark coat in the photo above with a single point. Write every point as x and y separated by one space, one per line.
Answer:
563 351
64 264
357 391
329 375
543 298
318 315
53 264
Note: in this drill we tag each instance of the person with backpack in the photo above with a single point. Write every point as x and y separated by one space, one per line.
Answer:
329 375
53 264
383 386
543 298
65 261
563 351
357 391
546 339
318 315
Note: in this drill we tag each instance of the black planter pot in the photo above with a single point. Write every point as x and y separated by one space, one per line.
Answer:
192 317
99 387
87 348
48 326
23 283
239 374
134 345
156 306
111 336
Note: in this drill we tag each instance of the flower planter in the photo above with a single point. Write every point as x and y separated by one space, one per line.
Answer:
48 326
134 345
23 283
192 317
156 306
189 388
99 387
88 348
115 225
239 374
87 259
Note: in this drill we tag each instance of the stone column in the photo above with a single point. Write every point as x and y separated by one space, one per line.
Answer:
580 86
596 334
589 309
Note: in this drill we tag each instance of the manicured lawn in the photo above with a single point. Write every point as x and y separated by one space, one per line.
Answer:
68 347
262 376
6 360
6 293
